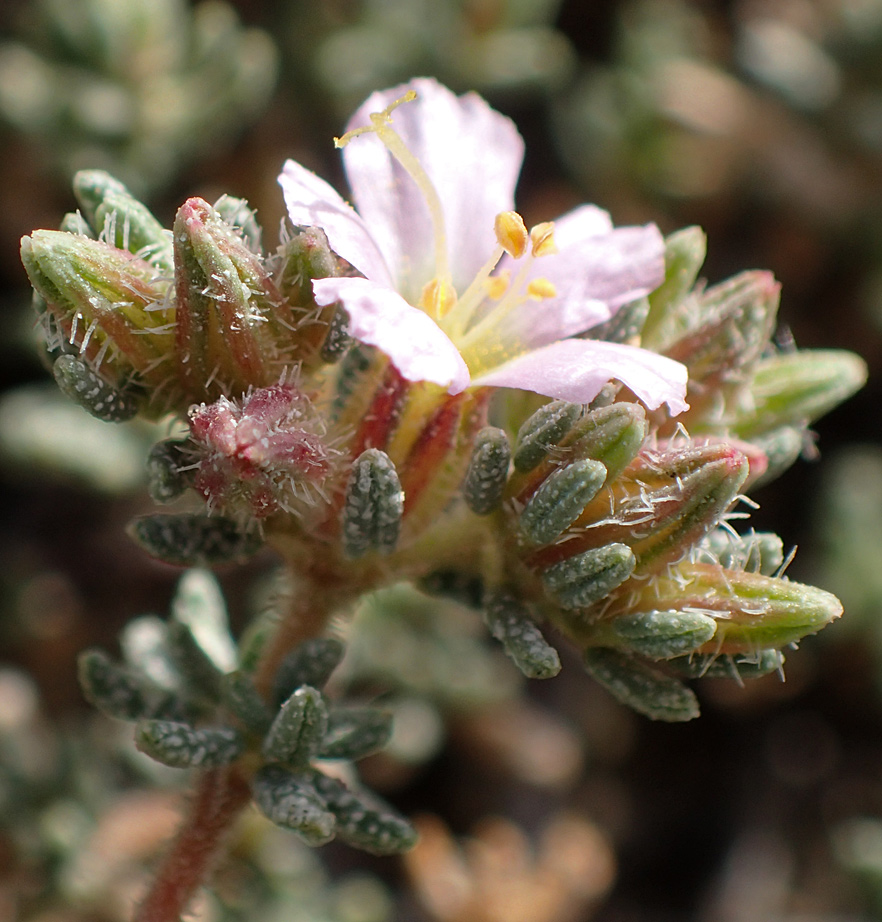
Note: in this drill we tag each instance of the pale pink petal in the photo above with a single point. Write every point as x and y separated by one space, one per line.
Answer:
412 340
311 201
596 270
472 156
577 369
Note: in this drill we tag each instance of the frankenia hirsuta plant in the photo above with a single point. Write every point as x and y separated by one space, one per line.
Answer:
551 425
455 290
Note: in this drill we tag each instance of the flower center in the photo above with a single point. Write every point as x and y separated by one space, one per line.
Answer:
465 318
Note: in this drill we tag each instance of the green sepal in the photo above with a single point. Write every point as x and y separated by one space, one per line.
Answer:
797 388
373 506
542 432
560 500
355 732
484 482
292 802
661 635
311 664
625 325
193 540
296 733
116 691
641 687
685 251
242 217
105 401
586 578
364 820
124 222
166 477
179 745
510 623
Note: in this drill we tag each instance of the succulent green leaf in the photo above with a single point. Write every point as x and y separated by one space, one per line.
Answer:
730 666
291 801
238 214
543 431
560 500
641 687
661 635
113 689
510 623
201 676
355 732
103 400
487 473
373 505
241 698
755 551
166 479
179 745
123 221
189 540
586 578
296 734
363 820
311 663
199 604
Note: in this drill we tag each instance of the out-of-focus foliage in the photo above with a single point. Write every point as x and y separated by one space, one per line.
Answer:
136 86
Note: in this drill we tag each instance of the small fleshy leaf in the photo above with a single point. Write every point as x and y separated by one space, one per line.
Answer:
166 479
484 482
309 664
543 431
239 214
179 745
580 581
660 635
354 733
113 689
510 623
560 500
755 552
199 604
296 734
365 821
242 699
732 666
644 689
191 540
123 221
103 400
291 801
201 676
373 506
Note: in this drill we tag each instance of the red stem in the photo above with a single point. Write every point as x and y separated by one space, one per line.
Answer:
219 797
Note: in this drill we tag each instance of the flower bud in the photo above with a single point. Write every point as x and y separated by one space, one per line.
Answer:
373 506
797 388
639 686
752 611
239 215
105 302
228 329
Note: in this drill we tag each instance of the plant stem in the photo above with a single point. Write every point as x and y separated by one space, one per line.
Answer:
220 796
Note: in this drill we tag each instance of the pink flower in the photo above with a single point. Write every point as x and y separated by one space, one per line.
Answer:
455 290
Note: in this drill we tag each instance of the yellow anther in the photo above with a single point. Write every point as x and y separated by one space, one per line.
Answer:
497 285
541 289
438 297
542 237
511 233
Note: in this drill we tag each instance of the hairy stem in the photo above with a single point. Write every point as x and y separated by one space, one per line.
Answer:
222 793
220 796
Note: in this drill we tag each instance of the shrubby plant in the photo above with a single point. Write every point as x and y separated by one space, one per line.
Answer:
554 425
